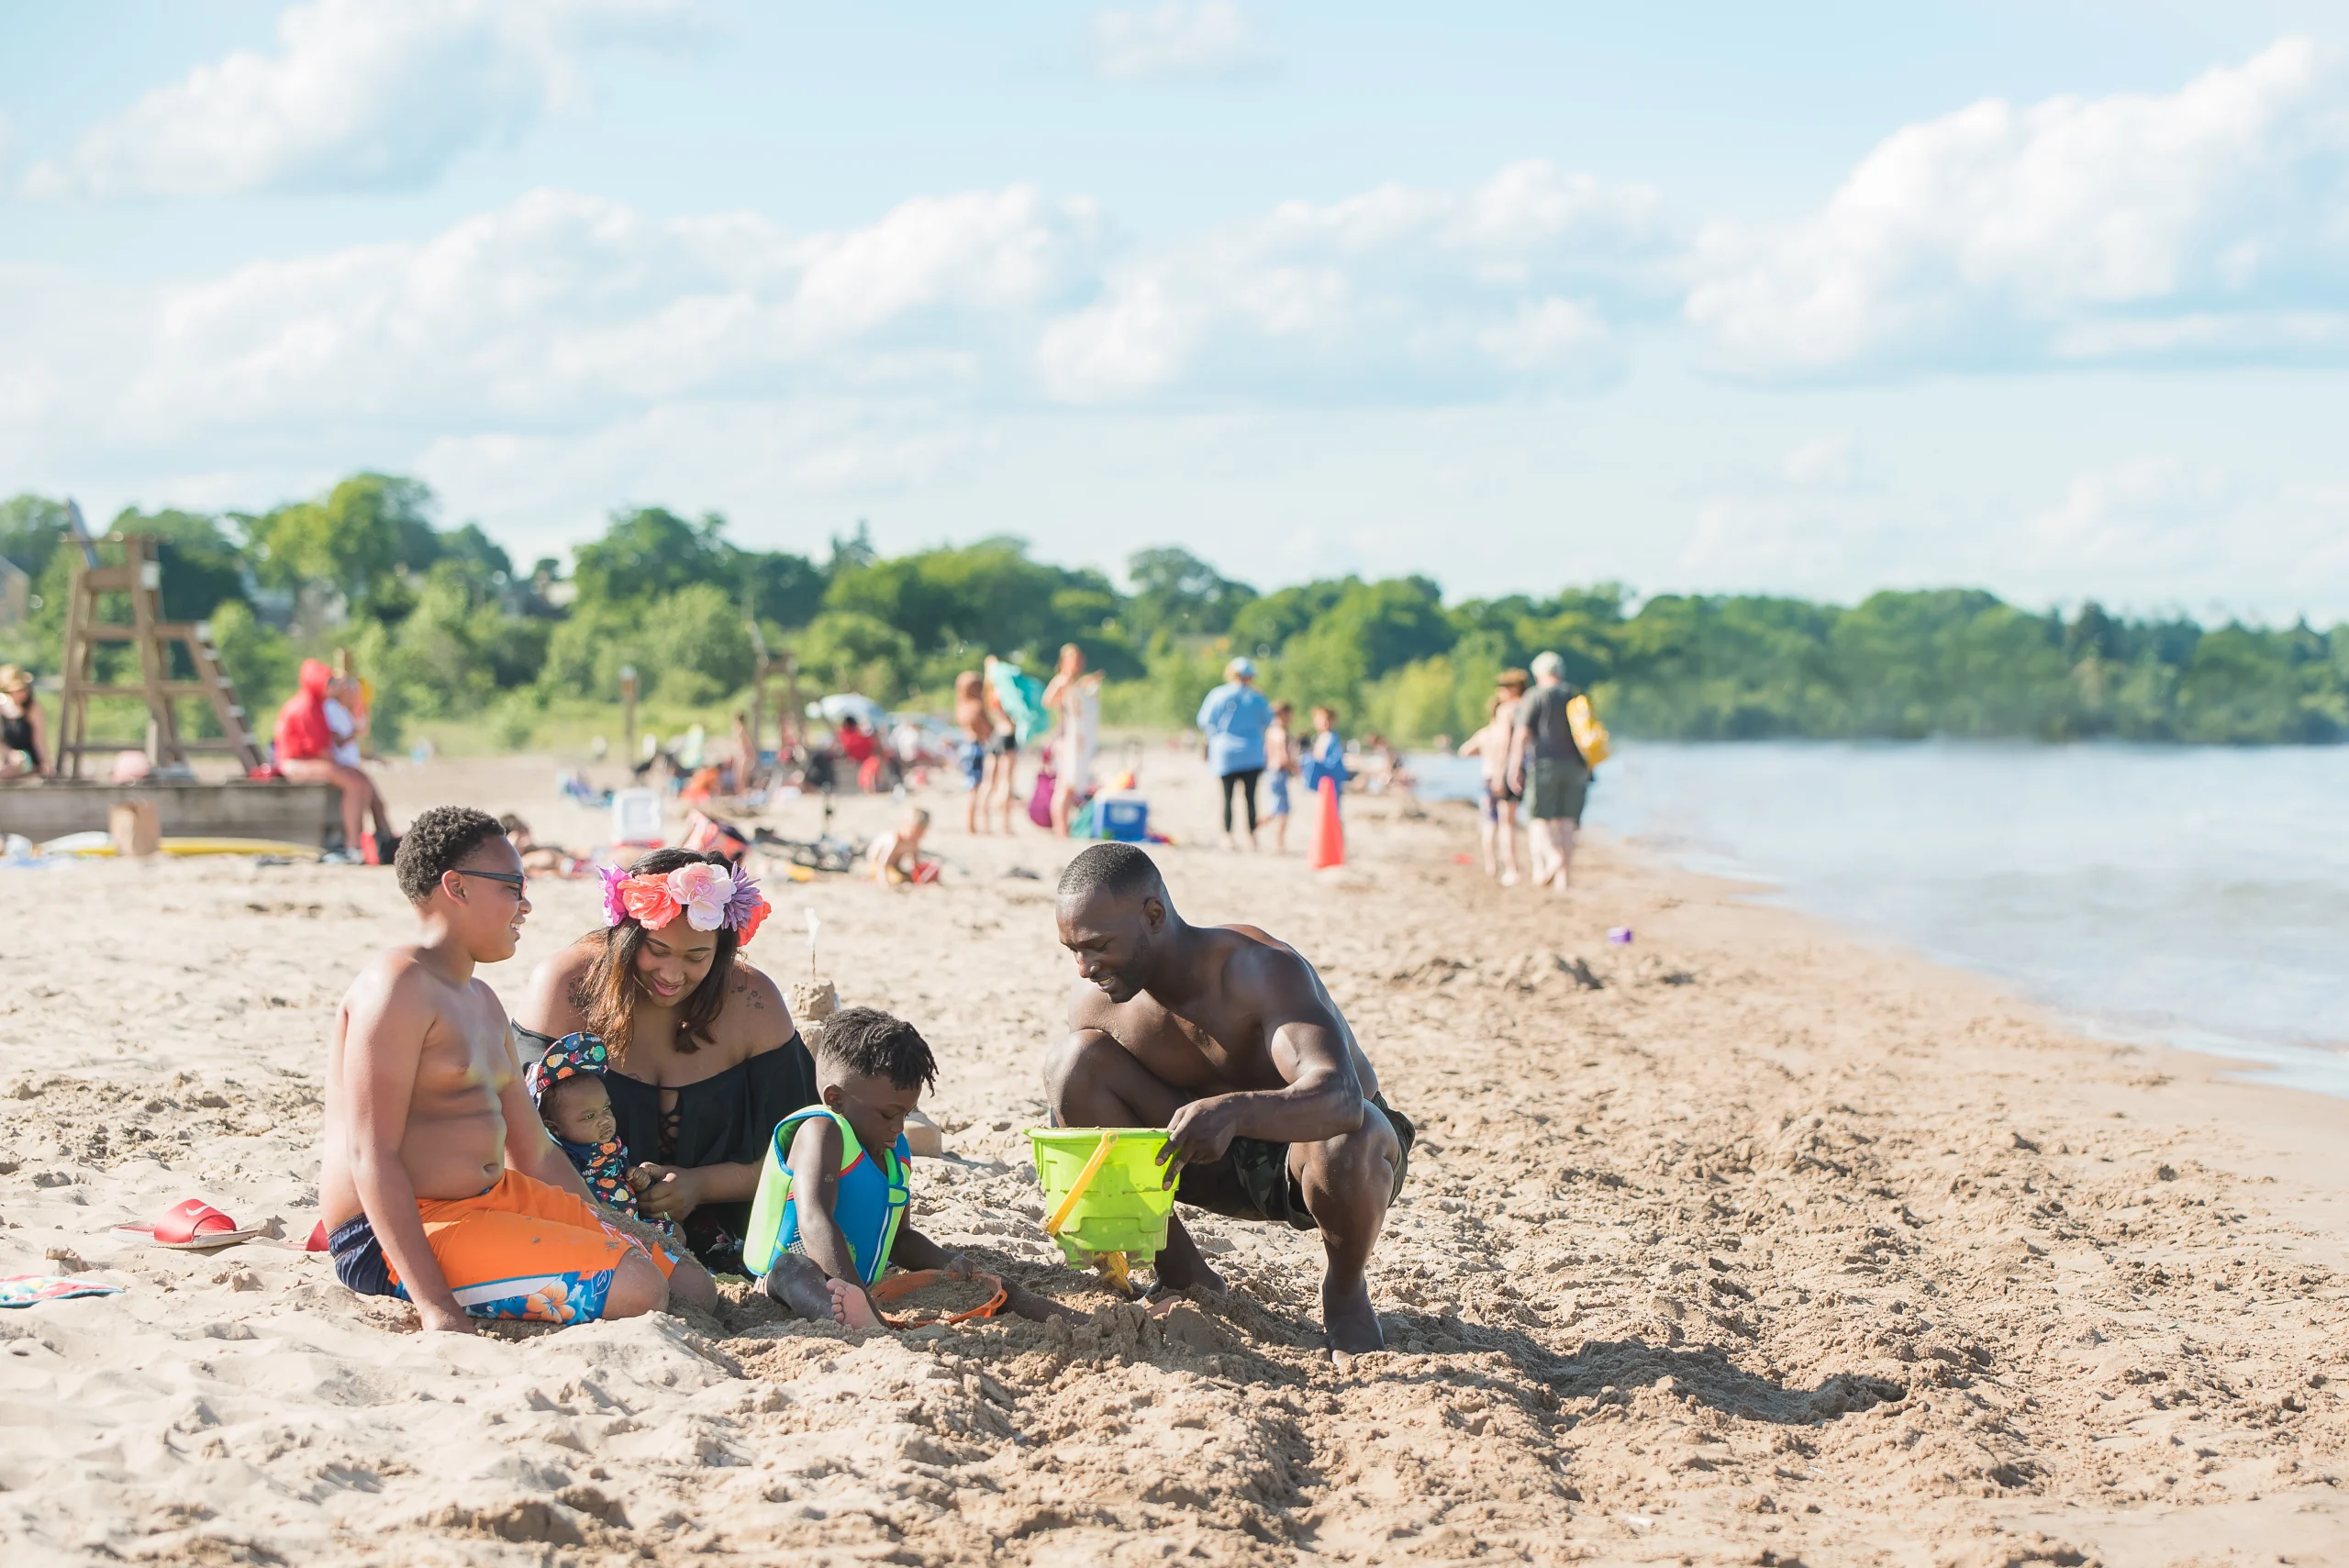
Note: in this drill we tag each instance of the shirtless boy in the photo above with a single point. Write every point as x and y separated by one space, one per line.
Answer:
440 1184
1227 1039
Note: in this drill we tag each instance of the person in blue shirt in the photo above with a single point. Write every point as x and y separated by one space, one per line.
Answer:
1234 719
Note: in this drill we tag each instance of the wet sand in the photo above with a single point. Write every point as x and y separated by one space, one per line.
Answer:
1774 1245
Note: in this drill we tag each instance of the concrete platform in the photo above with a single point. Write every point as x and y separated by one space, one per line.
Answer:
297 813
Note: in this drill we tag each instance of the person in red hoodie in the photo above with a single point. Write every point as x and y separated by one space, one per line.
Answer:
305 753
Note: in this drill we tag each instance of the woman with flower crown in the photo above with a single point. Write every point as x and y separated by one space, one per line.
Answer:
703 1057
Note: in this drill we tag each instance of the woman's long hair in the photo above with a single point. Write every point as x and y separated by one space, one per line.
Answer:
612 987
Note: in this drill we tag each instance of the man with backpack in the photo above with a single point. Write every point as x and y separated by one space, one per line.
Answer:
1547 768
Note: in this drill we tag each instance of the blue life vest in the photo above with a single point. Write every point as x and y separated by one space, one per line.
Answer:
868 1204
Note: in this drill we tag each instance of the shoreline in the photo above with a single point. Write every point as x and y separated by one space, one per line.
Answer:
1778 1243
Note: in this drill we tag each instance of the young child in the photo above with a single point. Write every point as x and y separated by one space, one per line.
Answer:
834 1193
896 856
567 1085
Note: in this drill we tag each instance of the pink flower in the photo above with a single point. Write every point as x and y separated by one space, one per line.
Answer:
615 910
703 891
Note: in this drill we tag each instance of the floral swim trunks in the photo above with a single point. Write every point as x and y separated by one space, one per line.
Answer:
522 1249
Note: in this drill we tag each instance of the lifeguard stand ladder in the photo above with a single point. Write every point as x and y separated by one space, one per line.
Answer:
140 576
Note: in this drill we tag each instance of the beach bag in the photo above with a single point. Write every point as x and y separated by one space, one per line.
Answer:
1022 698
1590 736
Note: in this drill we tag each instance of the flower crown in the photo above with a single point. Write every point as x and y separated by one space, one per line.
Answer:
710 897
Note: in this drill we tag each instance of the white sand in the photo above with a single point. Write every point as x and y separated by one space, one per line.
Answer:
1779 1247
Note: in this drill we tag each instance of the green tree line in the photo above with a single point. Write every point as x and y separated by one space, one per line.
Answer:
447 628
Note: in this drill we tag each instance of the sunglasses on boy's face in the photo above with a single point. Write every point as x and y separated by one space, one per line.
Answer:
514 880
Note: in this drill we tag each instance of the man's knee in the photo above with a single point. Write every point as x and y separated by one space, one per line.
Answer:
637 1288
1070 1063
1359 1163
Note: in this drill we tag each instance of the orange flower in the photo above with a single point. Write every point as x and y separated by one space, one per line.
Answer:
649 901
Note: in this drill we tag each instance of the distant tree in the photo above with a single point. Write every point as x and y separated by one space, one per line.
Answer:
1178 593
649 553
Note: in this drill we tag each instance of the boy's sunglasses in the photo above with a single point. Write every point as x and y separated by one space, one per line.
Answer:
514 880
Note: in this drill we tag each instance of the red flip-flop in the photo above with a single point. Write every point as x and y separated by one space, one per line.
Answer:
194 1226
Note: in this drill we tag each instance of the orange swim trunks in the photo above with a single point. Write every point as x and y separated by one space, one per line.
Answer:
522 1249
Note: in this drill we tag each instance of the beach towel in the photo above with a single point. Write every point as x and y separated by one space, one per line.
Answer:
24 1290
1022 698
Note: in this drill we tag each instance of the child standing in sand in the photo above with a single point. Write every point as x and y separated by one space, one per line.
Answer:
835 1191
439 1184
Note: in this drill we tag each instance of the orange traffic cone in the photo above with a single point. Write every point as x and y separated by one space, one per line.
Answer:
1329 833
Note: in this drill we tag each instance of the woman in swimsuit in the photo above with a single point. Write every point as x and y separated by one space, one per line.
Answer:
705 1061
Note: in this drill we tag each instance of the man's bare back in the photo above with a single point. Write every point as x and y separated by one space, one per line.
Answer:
1224 1039
454 1144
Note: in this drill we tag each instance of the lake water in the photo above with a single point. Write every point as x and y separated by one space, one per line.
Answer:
2192 895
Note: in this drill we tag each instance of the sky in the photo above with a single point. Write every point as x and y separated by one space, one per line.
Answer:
2050 299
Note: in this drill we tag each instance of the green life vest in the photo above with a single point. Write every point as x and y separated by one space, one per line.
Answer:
868 1204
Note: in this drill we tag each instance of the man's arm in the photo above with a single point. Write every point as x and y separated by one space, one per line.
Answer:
382 1045
1308 1044
1517 738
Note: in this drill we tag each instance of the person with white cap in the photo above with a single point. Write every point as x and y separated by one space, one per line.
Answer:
1234 719
1547 768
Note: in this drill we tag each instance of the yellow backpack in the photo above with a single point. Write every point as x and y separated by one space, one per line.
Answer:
1590 736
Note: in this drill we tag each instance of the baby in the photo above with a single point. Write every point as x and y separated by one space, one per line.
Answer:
567 1085
896 857
835 1191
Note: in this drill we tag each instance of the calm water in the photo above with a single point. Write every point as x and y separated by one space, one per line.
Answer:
2197 897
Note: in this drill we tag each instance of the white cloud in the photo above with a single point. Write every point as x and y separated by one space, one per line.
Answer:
2141 531
359 95
2212 222
1176 39
560 314
1397 294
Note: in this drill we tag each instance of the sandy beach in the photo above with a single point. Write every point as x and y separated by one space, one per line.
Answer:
1753 1242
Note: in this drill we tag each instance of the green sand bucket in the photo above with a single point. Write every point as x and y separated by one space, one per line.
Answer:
1122 1201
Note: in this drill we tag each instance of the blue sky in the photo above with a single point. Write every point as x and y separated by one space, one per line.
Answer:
2050 299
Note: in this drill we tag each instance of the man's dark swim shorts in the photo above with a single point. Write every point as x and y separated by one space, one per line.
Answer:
1264 1173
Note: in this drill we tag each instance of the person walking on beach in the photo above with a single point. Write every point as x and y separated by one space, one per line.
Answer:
437 1182
1233 718
970 752
1547 768
1490 746
1002 782
1226 1037
1280 767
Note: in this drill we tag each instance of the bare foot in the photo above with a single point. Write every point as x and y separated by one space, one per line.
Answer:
1350 1324
853 1306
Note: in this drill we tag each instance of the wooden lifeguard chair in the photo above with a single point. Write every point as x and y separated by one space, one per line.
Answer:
141 578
